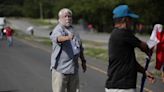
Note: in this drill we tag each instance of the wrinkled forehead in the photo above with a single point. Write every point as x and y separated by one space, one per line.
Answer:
66 14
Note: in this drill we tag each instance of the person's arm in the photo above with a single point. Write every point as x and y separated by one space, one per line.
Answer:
83 60
64 38
146 73
144 47
140 68
135 42
58 37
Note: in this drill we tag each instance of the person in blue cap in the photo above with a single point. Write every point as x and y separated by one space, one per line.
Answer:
123 66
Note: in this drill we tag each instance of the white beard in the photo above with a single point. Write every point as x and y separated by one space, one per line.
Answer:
67 24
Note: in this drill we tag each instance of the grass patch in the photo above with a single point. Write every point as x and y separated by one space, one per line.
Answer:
40 22
44 22
46 41
97 53
93 43
92 49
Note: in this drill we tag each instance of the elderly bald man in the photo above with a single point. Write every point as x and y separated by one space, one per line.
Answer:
66 49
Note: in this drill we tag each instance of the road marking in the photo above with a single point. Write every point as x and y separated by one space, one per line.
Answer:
97 69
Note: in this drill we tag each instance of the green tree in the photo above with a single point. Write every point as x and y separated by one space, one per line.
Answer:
96 12
11 7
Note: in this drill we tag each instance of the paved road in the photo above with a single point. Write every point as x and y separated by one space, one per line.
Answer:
97 69
25 68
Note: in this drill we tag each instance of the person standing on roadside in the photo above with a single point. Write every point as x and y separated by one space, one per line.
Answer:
66 49
1 35
123 66
158 37
30 30
9 33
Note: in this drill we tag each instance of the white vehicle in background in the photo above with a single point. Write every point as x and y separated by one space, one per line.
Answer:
2 25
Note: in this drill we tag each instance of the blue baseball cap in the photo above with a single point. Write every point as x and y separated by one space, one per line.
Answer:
123 11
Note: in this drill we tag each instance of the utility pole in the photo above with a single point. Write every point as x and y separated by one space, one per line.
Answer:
41 10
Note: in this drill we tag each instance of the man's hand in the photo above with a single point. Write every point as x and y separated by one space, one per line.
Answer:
150 77
84 66
65 38
70 37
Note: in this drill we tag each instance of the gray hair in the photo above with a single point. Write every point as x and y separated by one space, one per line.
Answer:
64 10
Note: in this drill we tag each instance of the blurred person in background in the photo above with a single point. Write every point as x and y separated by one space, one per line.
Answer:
30 30
9 35
158 37
1 35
